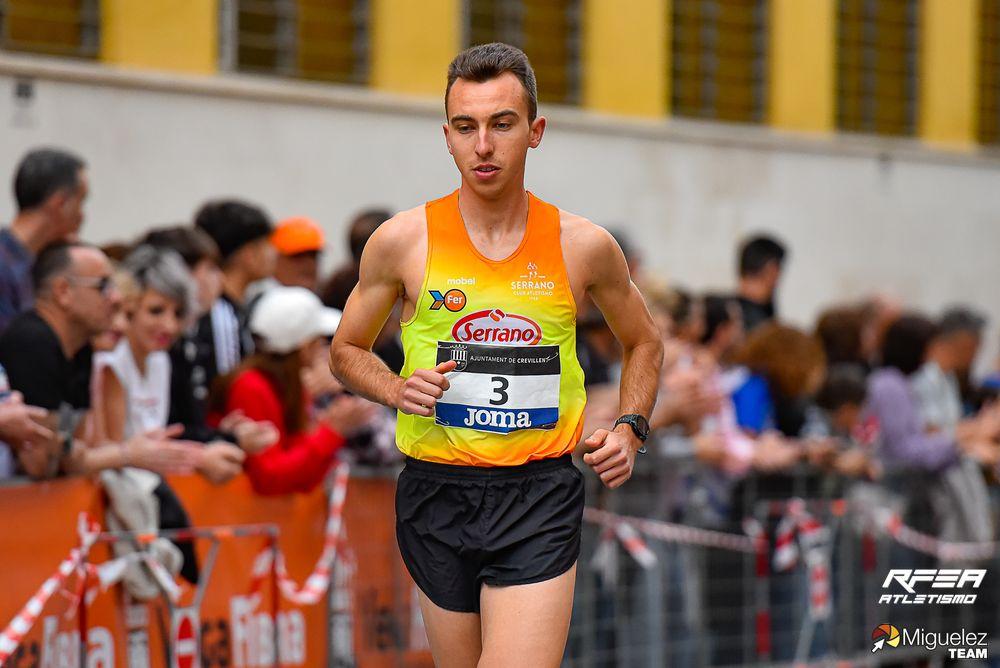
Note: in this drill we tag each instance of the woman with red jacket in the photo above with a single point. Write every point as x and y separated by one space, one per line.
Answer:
290 325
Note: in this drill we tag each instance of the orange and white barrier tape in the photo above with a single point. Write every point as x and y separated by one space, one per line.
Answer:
892 524
316 585
797 527
12 636
672 533
100 578
799 531
635 545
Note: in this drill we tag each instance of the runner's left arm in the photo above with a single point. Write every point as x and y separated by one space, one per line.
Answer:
624 309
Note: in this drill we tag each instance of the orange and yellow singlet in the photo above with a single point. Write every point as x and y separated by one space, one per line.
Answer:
517 393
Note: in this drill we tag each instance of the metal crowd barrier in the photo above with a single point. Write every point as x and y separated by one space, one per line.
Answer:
801 588
796 581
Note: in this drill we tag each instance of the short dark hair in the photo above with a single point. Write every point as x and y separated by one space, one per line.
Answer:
756 252
54 260
362 227
233 224
906 340
191 243
44 172
961 319
718 312
488 61
845 385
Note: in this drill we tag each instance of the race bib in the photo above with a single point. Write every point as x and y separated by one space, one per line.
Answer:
499 389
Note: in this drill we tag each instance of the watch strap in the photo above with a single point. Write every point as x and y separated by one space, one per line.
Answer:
633 421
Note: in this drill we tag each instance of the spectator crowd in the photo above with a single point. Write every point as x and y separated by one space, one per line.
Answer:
875 397
200 347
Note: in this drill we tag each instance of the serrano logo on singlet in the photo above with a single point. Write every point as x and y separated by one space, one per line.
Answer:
533 284
495 326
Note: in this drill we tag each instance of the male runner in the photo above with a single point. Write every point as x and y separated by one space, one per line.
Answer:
491 395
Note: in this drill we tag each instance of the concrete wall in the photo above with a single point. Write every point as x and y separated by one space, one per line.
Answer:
858 213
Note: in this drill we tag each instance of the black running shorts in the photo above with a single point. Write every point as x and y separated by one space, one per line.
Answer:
460 527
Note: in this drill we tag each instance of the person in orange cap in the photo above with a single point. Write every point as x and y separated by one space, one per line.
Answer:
299 242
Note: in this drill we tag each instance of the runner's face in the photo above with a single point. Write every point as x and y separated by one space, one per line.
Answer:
488 132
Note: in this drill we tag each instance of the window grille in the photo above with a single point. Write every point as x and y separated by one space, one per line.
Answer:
310 39
719 51
877 66
547 30
52 27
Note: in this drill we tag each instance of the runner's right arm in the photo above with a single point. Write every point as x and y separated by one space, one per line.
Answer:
380 284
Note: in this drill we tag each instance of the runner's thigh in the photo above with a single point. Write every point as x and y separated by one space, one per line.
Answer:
527 625
455 637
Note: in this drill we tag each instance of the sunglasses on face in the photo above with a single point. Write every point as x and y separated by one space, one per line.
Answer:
102 284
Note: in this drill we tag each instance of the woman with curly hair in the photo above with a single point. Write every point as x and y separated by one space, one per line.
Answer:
786 368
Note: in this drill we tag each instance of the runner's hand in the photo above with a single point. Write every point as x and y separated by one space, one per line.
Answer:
613 455
419 393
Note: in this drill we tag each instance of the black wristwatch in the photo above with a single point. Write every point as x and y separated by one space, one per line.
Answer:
639 425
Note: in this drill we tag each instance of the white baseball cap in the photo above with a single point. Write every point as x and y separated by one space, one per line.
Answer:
285 318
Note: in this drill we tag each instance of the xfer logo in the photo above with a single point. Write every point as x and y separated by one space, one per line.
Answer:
454 300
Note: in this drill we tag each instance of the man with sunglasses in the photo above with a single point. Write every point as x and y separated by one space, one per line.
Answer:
46 353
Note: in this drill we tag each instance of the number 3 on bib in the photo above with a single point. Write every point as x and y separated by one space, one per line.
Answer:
499 389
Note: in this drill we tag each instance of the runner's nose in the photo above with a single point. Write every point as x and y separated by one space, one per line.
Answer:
484 145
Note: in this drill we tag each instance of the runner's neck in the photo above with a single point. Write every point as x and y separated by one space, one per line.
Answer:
494 218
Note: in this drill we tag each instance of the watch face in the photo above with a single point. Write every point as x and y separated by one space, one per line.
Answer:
642 423
638 423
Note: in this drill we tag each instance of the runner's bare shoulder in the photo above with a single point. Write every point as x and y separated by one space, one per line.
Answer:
584 243
399 245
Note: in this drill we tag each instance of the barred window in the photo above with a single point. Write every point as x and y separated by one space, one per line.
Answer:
989 72
54 27
311 39
877 66
719 51
548 31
